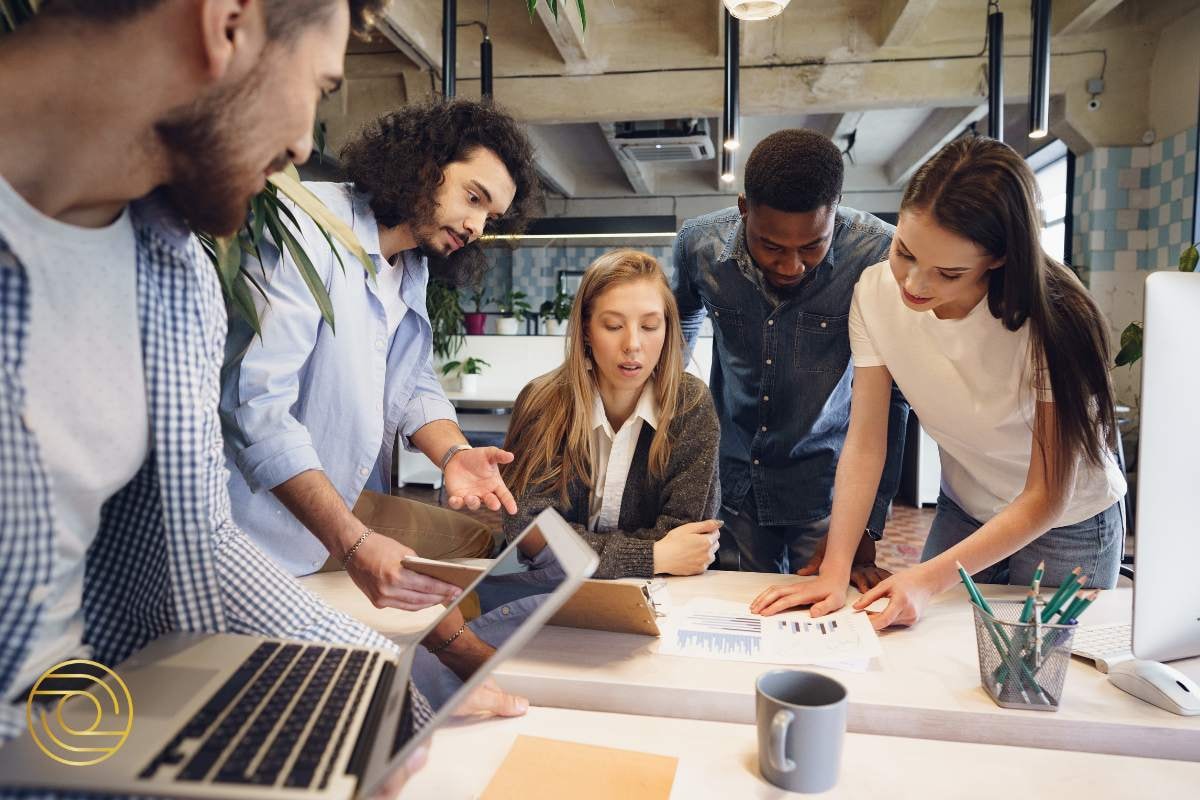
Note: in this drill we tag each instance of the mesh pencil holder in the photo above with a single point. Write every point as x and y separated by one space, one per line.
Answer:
1022 664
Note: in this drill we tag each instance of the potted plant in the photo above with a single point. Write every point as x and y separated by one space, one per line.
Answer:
512 307
556 312
468 373
1131 337
476 321
445 318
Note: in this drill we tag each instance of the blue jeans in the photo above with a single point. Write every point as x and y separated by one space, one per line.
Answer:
1094 544
771 548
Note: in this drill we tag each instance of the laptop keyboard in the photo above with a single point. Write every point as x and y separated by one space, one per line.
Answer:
250 729
1104 644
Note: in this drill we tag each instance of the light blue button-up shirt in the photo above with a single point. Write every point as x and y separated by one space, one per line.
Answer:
303 396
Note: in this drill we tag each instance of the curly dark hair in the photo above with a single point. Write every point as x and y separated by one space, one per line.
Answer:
398 160
285 18
794 170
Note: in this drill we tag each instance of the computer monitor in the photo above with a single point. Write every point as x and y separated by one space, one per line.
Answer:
1166 594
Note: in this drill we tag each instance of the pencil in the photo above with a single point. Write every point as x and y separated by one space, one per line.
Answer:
972 589
1036 586
1027 609
1068 613
1087 601
1066 590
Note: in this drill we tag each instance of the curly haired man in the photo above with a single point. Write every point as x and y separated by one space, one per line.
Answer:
311 418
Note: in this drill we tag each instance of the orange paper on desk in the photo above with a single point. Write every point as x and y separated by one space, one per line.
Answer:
547 769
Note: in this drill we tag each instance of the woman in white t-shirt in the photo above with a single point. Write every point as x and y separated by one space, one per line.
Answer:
1004 358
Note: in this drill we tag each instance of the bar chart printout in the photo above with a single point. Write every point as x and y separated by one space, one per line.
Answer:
720 629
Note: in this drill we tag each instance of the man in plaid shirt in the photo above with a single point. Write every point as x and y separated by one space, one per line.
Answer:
115 524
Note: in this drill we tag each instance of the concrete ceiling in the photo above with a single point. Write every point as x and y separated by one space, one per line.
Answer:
904 75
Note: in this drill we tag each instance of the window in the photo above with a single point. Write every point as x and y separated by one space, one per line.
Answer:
1050 167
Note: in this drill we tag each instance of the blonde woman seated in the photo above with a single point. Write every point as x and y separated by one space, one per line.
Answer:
619 439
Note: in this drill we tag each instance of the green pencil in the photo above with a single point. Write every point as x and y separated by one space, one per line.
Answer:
1083 604
972 589
1068 612
1037 577
1066 590
1027 609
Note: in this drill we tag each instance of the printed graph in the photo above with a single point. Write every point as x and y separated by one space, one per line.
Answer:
717 629
717 645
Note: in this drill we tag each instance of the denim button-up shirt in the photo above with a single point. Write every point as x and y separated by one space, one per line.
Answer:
303 396
781 370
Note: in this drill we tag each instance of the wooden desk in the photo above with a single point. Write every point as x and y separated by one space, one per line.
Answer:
926 684
720 759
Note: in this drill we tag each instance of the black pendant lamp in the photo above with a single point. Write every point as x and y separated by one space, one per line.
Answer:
1039 71
730 127
995 38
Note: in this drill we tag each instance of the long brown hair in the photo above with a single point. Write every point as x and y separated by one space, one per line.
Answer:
550 433
982 190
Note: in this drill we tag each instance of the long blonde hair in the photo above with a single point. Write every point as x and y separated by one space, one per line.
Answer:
550 433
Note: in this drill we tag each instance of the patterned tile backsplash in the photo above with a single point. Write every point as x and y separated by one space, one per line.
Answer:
1133 205
1133 215
534 270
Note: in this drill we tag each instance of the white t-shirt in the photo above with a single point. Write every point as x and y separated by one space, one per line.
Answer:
390 279
85 395
971 383
612 456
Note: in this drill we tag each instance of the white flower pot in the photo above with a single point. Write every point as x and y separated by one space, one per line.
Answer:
509 326
468 384
556 328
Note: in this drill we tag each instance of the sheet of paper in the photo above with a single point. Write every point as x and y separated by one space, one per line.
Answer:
725 630
549 769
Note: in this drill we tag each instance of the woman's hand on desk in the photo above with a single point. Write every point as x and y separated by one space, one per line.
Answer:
864 573
688 549
825 594
908 592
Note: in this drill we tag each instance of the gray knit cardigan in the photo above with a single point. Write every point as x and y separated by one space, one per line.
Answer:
689 491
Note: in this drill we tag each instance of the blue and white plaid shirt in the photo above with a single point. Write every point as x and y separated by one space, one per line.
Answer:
168 556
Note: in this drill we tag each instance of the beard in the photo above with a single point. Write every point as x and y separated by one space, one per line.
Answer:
212 182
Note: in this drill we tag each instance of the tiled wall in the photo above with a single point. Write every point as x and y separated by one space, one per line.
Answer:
1133 214
534 270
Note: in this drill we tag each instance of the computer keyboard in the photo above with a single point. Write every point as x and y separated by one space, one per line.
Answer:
246 717
1103 644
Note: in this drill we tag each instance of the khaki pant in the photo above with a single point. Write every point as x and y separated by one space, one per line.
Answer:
431 531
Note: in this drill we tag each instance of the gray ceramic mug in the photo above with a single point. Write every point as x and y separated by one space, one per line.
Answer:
801 725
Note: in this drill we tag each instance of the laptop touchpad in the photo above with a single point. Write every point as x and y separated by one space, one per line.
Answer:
161 691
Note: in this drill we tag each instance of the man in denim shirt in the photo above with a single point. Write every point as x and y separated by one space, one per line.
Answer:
775 275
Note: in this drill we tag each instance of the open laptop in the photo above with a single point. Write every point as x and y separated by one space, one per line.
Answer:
1166 595
224 715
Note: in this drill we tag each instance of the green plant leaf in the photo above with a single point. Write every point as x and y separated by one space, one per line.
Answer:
311 277
450 366
244 302
1188 259
582 14
532 4
228 251
553 4
311 205
1131 345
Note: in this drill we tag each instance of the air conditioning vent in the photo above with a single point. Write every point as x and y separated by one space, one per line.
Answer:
664 140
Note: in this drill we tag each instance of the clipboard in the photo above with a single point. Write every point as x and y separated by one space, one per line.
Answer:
598 605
